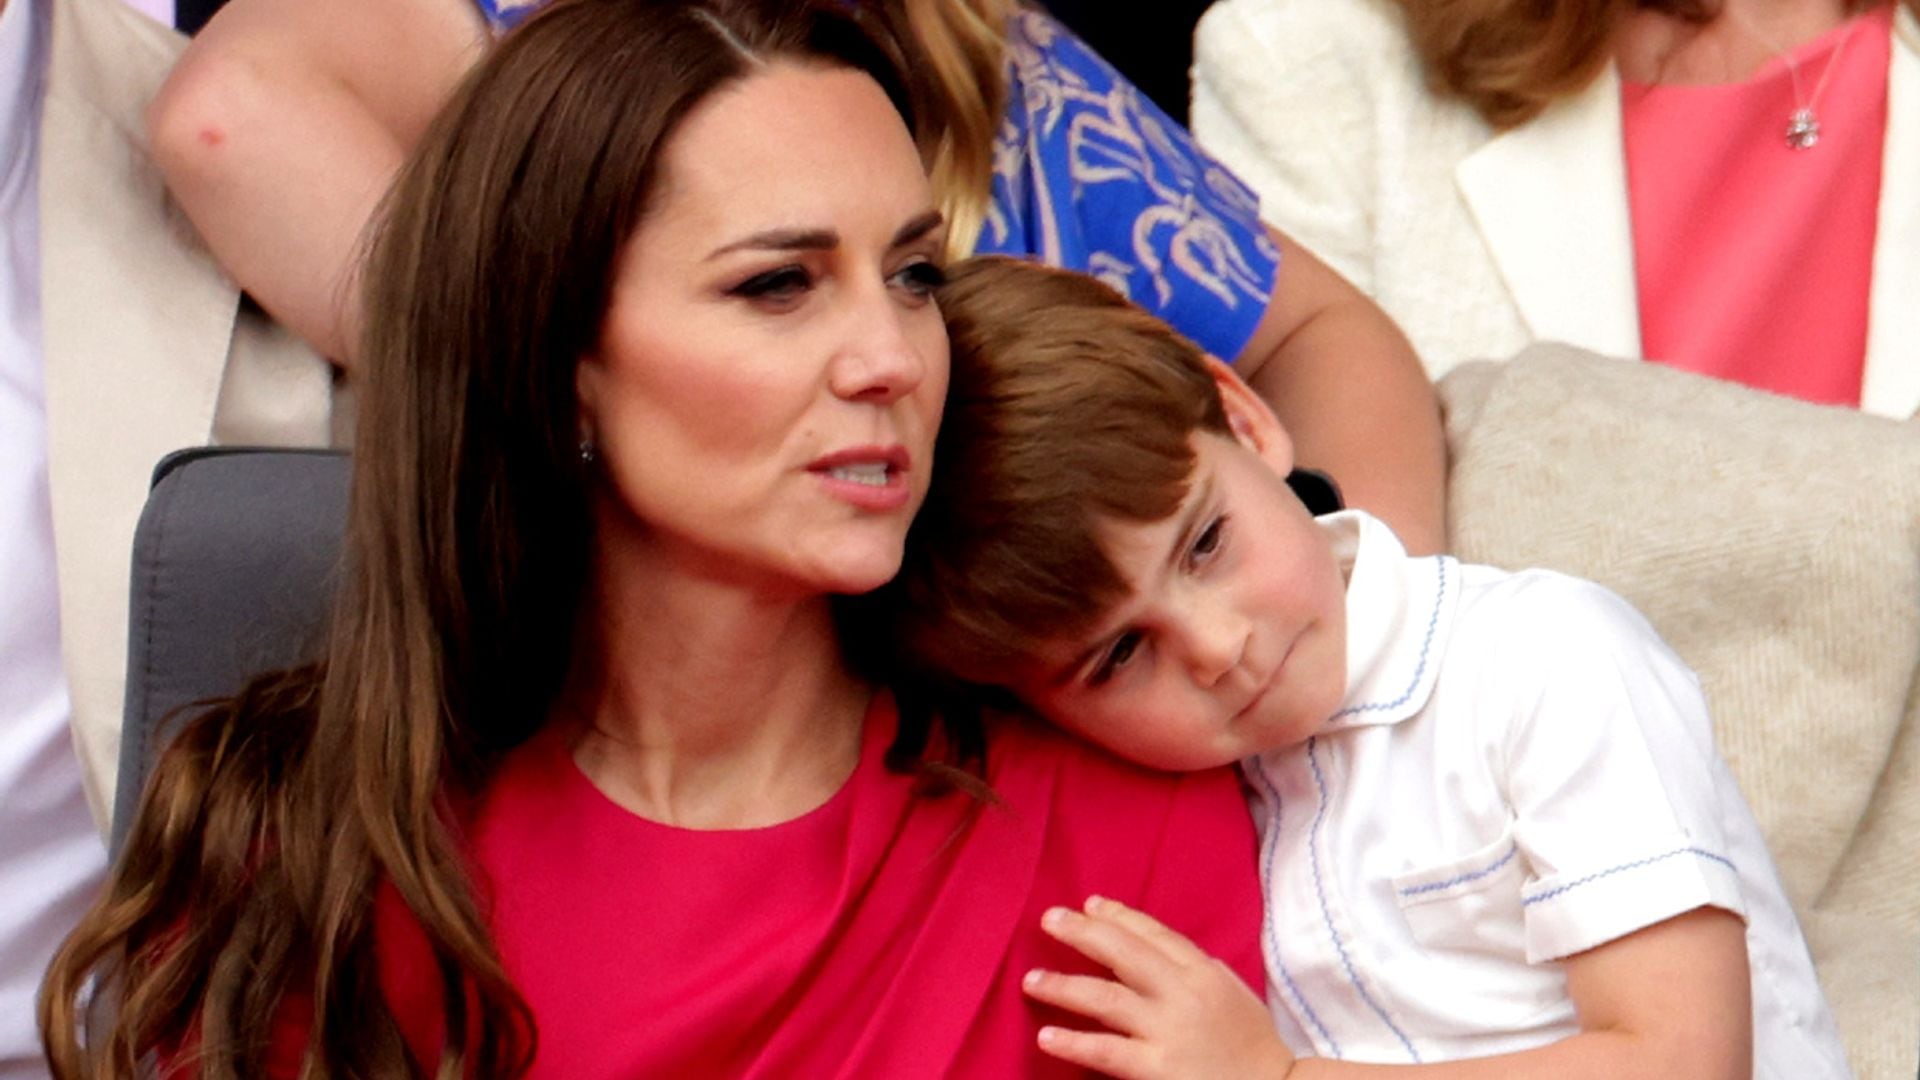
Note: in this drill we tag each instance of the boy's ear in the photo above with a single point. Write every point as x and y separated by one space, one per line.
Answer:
1252 422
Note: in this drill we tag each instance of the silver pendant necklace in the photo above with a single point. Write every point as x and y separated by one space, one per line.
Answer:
1803 126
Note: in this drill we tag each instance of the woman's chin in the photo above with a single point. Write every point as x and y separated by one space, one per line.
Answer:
865 580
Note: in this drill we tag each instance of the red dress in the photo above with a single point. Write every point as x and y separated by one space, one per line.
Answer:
881 935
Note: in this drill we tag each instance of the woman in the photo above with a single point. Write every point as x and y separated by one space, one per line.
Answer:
586 783
285 119
1729 186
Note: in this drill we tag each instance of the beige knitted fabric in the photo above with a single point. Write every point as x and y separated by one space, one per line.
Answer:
1776 546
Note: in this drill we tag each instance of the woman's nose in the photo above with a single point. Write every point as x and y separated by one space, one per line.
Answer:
880 361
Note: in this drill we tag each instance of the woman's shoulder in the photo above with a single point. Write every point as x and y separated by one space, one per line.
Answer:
1178 845
1101 803
1024 743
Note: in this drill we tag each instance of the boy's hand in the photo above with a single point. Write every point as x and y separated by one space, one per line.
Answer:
1174 1013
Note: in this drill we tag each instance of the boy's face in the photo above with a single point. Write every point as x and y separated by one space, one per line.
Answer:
1233 641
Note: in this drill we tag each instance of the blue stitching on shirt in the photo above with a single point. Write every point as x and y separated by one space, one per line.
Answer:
1326 914
1476 875
1426 644
1272 932
1634 865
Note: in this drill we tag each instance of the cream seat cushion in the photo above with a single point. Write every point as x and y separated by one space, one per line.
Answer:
1776 546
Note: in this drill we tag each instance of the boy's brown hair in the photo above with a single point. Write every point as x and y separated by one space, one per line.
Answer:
1068 406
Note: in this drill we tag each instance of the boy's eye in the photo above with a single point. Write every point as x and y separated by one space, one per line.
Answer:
1208 541
783 283
1118 654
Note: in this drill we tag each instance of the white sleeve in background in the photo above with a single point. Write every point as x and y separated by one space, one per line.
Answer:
1282 96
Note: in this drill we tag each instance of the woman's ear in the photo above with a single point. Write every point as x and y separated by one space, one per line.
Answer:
1253 424
586 387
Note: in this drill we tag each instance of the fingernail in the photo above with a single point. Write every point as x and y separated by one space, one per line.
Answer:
1032 978
1054 918
1048 1035
1096 902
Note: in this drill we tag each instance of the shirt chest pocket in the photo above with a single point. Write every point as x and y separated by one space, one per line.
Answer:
1469 927
1470 904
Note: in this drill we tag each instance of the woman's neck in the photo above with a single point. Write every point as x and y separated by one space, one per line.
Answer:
1745 36
712 703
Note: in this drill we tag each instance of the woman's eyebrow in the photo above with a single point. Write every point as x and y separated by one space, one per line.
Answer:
821 239
781 240
917 228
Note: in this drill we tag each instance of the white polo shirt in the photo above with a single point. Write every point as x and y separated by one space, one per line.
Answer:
1521 770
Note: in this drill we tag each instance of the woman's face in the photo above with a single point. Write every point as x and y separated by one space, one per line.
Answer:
770 374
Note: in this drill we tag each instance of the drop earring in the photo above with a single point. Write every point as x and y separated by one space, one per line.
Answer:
588 455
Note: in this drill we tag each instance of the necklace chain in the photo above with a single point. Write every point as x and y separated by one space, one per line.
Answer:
1803 126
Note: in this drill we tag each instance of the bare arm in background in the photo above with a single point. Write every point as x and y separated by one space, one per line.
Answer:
1353 396
281 127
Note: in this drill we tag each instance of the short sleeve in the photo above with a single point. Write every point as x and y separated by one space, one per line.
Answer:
1610 771
1092 176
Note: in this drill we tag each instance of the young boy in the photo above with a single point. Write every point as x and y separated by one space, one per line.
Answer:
1496 836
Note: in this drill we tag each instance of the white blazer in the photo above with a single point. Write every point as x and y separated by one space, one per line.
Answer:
147 349
1480 242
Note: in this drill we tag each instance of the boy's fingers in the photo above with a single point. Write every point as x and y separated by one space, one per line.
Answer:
1114 1055
1172 944
1089 995
1111 945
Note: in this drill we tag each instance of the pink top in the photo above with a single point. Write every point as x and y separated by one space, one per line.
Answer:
881 935
1752 258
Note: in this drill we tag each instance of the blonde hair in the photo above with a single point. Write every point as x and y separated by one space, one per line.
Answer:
962 92
1510 59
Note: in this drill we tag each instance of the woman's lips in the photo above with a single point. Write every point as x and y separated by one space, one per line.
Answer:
868 477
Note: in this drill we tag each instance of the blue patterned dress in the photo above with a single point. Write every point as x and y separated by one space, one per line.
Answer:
1090 175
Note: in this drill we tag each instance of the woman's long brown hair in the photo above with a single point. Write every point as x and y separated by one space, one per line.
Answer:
246 889
1509 59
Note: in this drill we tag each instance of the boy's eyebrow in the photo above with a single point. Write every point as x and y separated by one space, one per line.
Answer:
1198 503
1197 506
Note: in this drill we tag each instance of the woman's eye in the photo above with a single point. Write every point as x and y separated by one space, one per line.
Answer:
782 284
920 278
1116 658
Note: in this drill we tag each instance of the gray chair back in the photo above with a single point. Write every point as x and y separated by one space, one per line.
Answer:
234 568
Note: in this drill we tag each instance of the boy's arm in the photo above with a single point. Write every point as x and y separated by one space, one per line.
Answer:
1670 1000
1353 396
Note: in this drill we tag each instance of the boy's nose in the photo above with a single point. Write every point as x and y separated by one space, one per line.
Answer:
1216 642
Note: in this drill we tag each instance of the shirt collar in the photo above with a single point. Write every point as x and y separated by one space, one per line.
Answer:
23 36
1399 616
